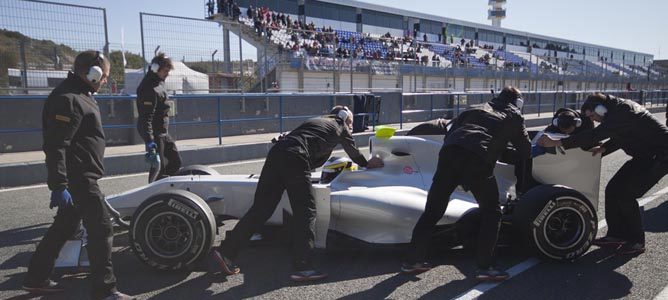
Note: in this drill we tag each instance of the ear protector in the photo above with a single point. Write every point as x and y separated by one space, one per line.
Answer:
95 72
344 114
559 118
156 63
600 109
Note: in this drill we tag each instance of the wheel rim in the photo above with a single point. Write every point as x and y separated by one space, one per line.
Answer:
169 235
564 227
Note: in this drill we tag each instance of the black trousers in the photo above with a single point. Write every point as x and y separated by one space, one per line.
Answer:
170 160
283 170
632 181
88 206
458 166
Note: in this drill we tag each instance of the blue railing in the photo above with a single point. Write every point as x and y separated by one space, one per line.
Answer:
535 102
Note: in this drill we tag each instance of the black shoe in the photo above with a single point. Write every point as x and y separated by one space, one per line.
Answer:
491 274
608 241
224 263
631 249
415 268
46 287
308 275
119 296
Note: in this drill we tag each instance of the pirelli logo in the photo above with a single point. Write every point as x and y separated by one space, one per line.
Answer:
63 118
148 103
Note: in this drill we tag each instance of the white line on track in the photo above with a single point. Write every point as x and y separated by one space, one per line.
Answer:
227 164
663 295
481 288
134 175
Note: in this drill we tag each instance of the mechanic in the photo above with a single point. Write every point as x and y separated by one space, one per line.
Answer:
153 120
470 150
288 167
74 145
565 121
433 127
632 128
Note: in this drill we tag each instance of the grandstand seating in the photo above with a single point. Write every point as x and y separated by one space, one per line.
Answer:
373 44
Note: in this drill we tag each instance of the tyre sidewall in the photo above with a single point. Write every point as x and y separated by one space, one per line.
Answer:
186 210
535 210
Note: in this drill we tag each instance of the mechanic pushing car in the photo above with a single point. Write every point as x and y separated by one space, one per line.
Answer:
74 146
288 167
632 128
432 127
470 150
153 120
565 121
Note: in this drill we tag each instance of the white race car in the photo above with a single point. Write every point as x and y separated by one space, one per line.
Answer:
174 221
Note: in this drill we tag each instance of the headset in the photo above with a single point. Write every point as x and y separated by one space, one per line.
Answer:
600 109
558 117
156 63
95 72
344 114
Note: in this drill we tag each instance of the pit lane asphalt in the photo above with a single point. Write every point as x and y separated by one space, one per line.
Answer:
354 273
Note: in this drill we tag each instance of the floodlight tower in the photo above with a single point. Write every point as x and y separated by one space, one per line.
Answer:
496 13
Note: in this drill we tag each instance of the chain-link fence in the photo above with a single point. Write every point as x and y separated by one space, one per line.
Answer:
39 41
209 55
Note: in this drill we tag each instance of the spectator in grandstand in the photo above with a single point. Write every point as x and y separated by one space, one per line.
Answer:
210 8
470 150
288 167
153 120
632 128
74 144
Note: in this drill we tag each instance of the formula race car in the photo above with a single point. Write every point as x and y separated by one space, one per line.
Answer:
173 221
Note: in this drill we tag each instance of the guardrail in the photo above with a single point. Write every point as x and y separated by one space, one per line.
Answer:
424 106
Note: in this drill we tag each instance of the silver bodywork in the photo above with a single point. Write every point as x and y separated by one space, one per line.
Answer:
378 205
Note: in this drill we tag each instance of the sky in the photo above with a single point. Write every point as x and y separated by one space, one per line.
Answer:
640 25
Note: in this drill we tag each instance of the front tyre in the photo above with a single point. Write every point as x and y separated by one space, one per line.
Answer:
555 221
172 230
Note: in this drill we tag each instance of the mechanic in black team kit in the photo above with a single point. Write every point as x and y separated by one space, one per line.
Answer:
74 146
565 121
288 167
632 128
154 119
433 127
470 150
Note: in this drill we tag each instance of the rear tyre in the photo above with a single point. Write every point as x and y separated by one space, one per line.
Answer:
196 170
172 230
555 221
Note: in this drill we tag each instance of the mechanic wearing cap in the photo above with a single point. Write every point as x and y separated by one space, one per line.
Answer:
433 127
565 121
153 120
74 145
288 167
632 128
470 150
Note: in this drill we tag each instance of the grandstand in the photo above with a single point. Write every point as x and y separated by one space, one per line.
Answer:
346 46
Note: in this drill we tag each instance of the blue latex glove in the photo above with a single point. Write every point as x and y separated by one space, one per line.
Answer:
537 150
151 146
60 198
152 158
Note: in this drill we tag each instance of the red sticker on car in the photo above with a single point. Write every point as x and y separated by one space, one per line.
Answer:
408 170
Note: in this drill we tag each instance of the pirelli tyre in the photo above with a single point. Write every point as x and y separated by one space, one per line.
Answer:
555 221
197 170
172 230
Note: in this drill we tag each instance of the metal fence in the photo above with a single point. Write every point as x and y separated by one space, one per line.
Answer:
203 46
39 41
220 115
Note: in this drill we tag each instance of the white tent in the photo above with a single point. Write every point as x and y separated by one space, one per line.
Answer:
181 80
